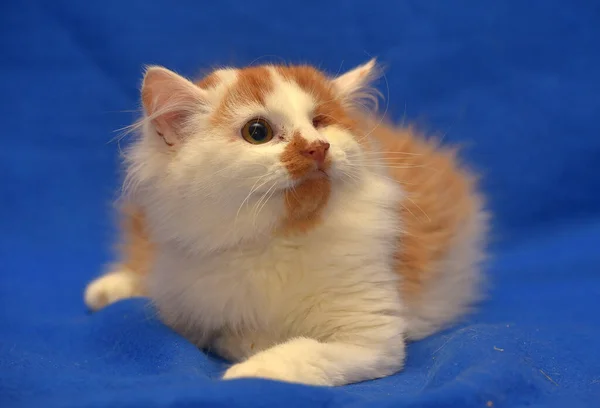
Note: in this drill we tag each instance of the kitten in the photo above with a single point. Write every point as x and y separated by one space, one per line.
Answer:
272 220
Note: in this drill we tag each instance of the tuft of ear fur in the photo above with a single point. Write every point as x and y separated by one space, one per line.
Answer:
354 86
170 101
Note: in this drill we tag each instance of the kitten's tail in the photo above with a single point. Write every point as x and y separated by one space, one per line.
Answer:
126 278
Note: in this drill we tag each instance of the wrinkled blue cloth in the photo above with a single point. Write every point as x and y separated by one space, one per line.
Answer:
516 83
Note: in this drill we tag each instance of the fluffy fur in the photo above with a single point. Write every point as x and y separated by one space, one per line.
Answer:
297 269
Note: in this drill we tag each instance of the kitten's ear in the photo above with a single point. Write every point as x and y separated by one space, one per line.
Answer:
170 101
354 82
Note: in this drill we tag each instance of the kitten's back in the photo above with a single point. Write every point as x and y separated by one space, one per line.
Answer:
444 225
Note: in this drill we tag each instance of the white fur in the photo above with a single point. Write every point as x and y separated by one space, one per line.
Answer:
459 283
120 283
318 308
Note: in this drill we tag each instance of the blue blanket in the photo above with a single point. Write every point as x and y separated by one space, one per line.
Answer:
515 82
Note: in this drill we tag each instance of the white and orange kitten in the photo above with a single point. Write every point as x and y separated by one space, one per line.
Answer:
272 220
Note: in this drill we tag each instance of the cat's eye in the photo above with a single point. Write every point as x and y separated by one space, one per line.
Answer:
257 131
320 121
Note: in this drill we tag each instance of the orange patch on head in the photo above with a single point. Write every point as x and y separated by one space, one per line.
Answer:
209 81
329 109
251 87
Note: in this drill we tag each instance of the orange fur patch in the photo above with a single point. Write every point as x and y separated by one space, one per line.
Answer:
439 199
304 205
329 109
252 86
135 248
209 81
306 201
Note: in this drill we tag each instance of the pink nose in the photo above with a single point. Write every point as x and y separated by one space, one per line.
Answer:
317 151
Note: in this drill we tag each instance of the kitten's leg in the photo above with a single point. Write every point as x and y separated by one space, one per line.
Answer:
125 279
308 361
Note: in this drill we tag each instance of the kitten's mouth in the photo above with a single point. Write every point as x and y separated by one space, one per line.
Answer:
317 173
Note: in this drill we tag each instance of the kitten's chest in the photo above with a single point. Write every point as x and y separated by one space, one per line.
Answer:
259 288
254 287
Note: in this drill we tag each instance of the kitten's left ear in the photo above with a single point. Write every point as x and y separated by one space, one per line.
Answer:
352 83
170 102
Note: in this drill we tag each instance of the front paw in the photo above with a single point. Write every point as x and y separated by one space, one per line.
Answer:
250 369
274 370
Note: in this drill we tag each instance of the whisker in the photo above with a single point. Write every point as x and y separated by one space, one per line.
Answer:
383 165
385 160
384 153
245 178
267 200
402 123
255 187
353 179
281 59
255 206
420 209
252 190
258 206
409 211
295 193
396 181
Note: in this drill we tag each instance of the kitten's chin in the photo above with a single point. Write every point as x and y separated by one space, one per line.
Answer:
304 204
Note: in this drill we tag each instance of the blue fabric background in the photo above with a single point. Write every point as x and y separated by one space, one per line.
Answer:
515 82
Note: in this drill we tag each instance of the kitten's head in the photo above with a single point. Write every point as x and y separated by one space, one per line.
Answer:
244 152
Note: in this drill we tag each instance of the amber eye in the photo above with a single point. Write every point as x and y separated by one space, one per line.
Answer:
257 131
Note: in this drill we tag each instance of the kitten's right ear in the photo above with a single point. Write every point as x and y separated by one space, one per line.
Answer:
354 82
170 101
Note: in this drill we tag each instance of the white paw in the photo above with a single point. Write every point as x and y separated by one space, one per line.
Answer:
274 370
112 287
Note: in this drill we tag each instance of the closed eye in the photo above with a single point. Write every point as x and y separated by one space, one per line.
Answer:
320 121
